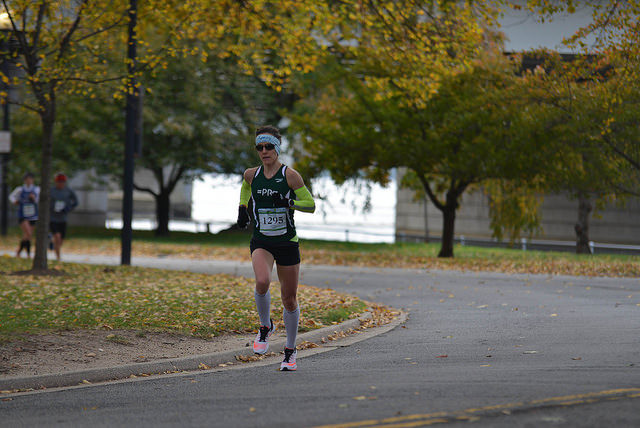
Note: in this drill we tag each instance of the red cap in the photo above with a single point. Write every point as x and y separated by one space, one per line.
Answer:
60 177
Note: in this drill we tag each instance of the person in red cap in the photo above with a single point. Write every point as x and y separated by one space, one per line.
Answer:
63 200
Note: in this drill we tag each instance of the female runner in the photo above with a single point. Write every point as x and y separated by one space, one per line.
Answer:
276 191
26 198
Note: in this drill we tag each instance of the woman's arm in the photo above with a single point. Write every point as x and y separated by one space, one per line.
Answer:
304 200
245 190
245 193
15 195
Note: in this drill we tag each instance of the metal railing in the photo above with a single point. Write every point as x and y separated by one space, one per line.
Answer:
525 244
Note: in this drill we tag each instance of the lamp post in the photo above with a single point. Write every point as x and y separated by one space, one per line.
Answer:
132 137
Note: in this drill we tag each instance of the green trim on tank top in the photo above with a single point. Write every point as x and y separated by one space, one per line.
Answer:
272 224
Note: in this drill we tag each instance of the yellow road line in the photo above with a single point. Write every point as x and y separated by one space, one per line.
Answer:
425 419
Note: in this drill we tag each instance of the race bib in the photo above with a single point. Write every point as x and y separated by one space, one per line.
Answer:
273 221
59 206
28 210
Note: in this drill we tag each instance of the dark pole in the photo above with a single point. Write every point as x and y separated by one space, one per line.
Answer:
5 165
4 191
130 138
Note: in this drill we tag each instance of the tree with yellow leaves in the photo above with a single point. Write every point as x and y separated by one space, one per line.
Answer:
597 94
68 46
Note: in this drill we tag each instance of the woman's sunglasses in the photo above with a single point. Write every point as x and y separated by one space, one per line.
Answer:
267 146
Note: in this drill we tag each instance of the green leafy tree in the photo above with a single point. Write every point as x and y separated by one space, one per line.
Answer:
576 94
604 106
476 127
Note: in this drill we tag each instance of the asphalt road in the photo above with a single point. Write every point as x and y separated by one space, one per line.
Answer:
472 342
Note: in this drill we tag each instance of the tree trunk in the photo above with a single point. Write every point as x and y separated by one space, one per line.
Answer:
448 224
47 119
582 226
425 201
163 209
448 210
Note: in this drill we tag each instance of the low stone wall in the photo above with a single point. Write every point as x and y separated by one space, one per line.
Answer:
613 224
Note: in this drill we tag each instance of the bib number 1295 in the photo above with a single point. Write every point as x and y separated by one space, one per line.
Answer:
273 221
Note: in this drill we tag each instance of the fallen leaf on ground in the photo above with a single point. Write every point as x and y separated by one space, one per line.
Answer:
307 345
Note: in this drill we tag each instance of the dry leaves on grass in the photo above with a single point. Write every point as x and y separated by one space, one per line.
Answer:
399 255
518 263
126 297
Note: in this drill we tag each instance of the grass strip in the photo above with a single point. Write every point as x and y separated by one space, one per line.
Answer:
235 246
134 298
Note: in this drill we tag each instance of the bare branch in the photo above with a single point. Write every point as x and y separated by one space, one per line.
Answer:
174 177
66 39
39 24
427 188
626 190
145 189
26 106
94 81
620 152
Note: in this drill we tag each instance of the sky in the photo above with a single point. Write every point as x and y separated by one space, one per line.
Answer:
524 31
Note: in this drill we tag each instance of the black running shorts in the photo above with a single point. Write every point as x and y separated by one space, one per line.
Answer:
58 227
285 253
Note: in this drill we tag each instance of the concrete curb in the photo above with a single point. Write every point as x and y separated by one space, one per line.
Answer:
189 363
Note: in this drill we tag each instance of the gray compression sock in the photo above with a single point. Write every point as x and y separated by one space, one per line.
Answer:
291 320
263 304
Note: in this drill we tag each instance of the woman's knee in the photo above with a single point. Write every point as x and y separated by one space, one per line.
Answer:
290 301
262 284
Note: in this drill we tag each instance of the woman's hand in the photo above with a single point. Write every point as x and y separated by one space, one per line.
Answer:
243 217
282 202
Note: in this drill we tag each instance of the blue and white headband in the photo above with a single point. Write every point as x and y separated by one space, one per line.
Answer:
268 138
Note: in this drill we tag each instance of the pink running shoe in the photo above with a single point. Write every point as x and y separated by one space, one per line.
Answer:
289 362
261 344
